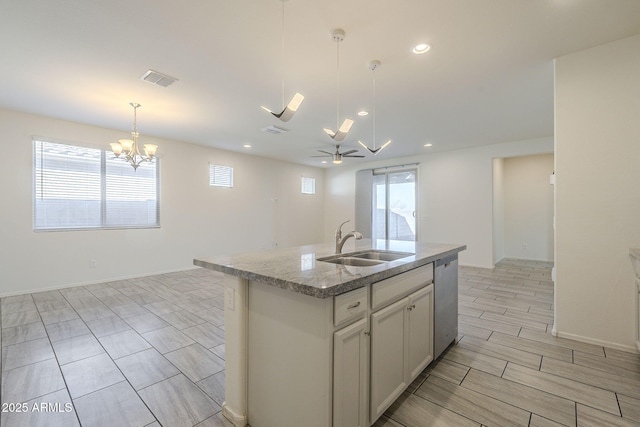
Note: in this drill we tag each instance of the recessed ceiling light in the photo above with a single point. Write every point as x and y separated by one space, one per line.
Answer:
324 162
247 145
363 113
428 145
420 48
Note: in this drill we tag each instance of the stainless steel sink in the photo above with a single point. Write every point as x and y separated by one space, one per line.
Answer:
356 262
381 255
365 258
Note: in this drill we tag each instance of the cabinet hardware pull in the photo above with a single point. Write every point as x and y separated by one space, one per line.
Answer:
354 305
411 307
367 333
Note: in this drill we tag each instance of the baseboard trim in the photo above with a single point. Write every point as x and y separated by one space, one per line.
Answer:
236 420
94 282
488 267
526 259
613 345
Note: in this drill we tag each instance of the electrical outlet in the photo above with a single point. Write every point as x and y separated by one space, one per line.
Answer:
229 298
93 263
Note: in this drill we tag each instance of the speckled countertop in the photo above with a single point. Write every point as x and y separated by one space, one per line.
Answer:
298 270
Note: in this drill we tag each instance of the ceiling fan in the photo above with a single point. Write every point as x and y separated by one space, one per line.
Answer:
336 157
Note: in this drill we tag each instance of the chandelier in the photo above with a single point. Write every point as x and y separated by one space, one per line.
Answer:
130 147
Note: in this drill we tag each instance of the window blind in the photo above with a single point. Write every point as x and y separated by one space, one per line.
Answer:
308 185
220 176
79 187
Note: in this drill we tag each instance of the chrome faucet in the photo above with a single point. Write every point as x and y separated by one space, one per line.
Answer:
341 240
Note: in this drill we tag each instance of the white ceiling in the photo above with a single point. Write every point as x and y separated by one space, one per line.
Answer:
487 79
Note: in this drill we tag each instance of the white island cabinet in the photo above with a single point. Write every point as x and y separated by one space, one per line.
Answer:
324 345
401 337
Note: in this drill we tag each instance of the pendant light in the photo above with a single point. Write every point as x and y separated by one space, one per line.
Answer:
130 146
338 35
373 65
289 110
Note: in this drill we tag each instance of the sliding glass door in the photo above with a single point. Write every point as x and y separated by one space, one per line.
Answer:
394 205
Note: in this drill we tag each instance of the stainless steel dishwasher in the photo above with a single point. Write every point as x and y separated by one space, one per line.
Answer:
445 328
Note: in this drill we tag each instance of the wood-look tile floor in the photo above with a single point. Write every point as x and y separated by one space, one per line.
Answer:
150 352
139 352
508 370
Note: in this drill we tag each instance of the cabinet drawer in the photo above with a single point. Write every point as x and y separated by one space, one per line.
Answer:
396 287
350 305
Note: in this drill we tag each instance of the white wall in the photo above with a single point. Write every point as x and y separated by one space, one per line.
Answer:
265 206
498 210
528 207
455 195
597 108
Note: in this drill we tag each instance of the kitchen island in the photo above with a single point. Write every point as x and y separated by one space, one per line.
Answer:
313 343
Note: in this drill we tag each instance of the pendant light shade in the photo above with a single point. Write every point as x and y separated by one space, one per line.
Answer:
342 131
290 109
337 36
373 65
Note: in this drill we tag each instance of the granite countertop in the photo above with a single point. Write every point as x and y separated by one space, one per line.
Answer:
297 269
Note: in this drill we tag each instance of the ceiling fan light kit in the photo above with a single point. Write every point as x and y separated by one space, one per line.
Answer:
337 157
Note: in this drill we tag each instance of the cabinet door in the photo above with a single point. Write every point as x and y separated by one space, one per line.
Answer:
388 356
420 325
350 375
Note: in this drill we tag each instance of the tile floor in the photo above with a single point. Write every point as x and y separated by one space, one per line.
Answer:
508 370
150 352
140 352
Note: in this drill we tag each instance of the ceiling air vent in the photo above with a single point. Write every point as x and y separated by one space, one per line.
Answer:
276 130
158 78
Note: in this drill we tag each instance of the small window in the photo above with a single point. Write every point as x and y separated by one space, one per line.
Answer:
220 176
308 185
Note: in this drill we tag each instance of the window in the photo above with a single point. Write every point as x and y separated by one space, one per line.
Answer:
78 187
220 176
308 185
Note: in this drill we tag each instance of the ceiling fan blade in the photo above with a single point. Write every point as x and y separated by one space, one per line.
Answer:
326 152
350 155
346 153
321 156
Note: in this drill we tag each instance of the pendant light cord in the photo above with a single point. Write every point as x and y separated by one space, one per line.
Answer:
283 65
374 109
337 85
